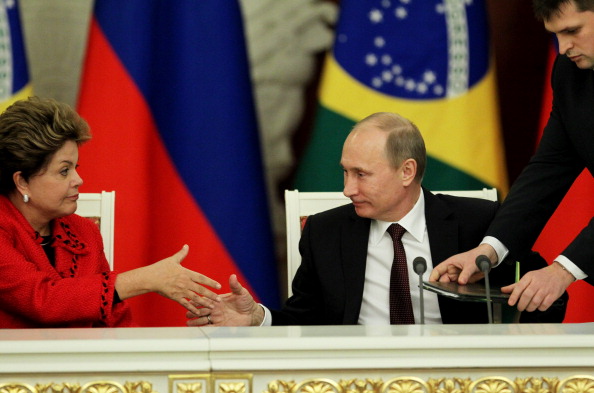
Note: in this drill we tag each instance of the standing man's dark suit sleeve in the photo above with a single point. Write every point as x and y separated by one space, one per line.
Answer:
566 148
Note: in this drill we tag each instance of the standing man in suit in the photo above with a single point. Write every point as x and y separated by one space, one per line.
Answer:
347 252
566 148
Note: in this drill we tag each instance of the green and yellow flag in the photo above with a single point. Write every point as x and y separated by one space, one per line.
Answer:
428 61
14 74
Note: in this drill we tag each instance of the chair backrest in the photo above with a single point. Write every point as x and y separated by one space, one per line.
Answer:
100 208
299 205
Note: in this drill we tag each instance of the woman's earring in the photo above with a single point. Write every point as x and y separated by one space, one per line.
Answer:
25 198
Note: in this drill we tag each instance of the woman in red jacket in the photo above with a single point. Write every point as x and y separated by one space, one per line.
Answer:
52 266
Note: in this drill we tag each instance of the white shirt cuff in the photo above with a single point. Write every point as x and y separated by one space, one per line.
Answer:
499 248
571 267
267 321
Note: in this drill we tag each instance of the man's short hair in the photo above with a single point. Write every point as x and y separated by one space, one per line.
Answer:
544 10
404 140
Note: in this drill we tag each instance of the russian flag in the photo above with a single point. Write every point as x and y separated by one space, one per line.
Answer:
167 93
14 74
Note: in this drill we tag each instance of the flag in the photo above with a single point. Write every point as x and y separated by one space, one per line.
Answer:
167 94
573 214
14 74
428 61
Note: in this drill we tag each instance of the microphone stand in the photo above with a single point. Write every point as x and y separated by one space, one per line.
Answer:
484 265
420 267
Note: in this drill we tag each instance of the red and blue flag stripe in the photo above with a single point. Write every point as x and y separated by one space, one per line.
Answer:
167 92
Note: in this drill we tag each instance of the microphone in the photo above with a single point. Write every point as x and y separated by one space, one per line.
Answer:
420 267
484 265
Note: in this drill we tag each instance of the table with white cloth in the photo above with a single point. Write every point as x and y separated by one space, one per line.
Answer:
505 358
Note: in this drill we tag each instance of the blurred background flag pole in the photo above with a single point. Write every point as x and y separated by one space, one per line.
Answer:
429 61
14 73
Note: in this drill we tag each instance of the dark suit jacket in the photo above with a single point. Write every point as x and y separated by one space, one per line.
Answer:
566 148
328 286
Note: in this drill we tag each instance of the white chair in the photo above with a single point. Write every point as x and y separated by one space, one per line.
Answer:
299 205
100 208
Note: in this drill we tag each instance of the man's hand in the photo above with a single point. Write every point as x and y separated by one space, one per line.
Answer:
461 268
236 308
538 289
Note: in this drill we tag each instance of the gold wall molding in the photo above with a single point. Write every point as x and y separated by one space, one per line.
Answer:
189 383
91 387
210 383
496 384
192 387
243 383
232 383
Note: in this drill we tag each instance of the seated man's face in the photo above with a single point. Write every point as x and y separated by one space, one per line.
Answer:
373 185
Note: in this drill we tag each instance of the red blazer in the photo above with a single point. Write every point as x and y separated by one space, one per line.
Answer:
77 292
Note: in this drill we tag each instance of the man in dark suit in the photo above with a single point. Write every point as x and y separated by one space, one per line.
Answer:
347 252
566 148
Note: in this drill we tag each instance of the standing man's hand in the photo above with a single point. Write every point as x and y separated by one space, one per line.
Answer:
461 268
538 289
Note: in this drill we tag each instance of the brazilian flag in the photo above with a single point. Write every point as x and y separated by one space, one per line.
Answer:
429 61
14 74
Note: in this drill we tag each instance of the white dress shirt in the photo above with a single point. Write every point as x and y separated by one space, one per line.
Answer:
375 309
